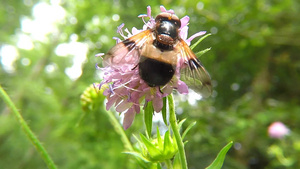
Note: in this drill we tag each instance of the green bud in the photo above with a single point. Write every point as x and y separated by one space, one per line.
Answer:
92 97
158 149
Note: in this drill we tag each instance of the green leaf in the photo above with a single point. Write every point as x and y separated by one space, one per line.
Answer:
168 144
176 162
159 140
200 40
138 155
180 123
158 166
164 110
153 151
200 53
139 141
148 114
218 162
187 129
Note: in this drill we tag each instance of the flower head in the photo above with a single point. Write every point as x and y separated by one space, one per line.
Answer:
126 90
278 130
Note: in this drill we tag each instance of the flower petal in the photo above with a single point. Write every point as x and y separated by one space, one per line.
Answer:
119 30
100 54
184 21
110 102
149 11
124 105
184 33
118 40
167 90
182 88
135 31
128 118
163 9
196 35
157 102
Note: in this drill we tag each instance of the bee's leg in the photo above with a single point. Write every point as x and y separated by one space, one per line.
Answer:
160 90
135 67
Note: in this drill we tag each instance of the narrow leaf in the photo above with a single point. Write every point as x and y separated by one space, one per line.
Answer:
200 40
159 140
143 161
187 129
139 141
150 147
164 110
180 123
200 53
218 162
158 166
176 162
138 155
167 143
148 114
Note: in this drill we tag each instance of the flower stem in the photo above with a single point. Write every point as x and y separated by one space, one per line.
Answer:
175 129
119 129
27 130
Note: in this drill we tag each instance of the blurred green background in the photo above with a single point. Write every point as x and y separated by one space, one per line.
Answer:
47 53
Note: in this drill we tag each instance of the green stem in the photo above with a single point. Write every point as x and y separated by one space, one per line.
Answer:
119 129
175 129
27 130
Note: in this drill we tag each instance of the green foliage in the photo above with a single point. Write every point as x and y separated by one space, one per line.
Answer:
155 151
148 115
218 162
198 42
164 111
253 61
159 149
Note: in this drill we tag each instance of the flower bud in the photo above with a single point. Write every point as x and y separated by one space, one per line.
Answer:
91 97
278 130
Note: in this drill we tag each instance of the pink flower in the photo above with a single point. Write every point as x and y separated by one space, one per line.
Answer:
127 91
278 130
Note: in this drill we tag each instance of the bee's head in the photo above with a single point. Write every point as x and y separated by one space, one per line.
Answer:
167 27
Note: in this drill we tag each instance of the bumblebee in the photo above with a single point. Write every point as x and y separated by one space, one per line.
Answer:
157 52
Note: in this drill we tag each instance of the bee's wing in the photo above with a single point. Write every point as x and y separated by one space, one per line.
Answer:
127 51
193 72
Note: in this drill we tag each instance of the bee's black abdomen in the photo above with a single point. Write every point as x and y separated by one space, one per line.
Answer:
154 72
